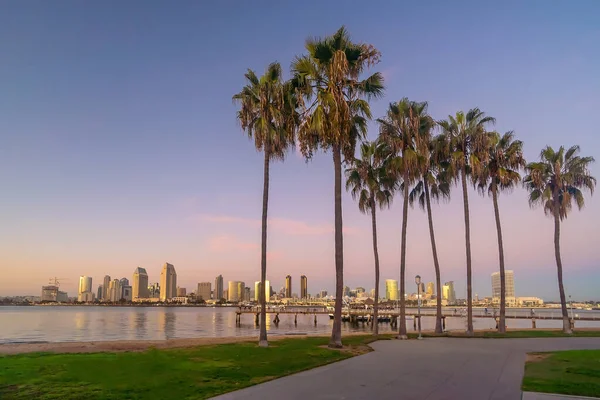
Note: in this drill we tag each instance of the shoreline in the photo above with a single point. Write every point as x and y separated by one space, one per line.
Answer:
142 345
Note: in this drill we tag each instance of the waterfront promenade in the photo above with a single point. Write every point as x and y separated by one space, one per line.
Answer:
429 369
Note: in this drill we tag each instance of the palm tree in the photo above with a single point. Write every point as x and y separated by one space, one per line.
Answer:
433 183
404 129
501 172
268 115
334 113
555 182
465 139
368 181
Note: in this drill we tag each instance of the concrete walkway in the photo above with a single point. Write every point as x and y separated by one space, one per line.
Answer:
429 369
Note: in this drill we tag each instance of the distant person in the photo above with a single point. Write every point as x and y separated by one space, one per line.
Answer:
486 311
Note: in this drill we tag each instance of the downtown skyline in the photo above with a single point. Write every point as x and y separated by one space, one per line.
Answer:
88 196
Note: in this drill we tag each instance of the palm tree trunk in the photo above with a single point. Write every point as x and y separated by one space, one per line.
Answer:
376 255
336 333
262 341
436 264
468 250
561 288
502 320
402 329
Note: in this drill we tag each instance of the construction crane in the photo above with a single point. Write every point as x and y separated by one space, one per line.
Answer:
56 281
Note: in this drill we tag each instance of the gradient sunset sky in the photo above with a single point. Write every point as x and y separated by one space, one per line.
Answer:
120 148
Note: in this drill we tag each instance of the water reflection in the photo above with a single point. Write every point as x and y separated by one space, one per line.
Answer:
140 320
168 320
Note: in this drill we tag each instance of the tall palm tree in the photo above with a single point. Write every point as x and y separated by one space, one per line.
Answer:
433 183
268 115
465 137
334 112
555 182
404 129
368 181
501 172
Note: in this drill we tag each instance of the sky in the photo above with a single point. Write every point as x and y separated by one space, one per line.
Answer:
119 145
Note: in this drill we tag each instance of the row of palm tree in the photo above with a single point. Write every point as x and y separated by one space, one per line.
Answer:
325 105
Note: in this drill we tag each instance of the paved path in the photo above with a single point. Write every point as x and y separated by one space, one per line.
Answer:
429 369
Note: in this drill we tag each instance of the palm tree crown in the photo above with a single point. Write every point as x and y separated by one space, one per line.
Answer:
504 160
433 169
557 179
267 111
334 108
367 179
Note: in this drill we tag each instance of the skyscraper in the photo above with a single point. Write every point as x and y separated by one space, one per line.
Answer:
236 291
219 288
114 290
422 288
85 284
509 291
303 287
430 288
181 291
448 293
100 292
267 291
391 289
203 291
288 287
139 288
168 282
106 288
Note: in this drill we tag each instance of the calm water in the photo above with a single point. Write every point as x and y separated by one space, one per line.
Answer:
94 323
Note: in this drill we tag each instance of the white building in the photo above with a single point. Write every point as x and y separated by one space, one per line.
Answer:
509 291
114 290
84 294
168 282
139 287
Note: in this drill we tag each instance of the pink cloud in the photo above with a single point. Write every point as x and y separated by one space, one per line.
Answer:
281 225
223 243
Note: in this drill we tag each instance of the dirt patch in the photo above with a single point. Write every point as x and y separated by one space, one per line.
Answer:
354 350
536 357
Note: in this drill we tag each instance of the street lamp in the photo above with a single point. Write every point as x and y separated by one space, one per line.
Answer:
418 282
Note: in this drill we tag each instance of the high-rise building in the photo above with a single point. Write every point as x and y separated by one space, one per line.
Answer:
323 294
246 293
100 291
303 287
114 290
85 284
181 292
139 289
391 289
509 292
236 291
203 292
168 282
288 287
126 293
430 288
346 291
154 290
218 295
421 288
106 288
267 291
448 292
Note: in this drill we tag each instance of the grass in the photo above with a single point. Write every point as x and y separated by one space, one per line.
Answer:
197 373
574 372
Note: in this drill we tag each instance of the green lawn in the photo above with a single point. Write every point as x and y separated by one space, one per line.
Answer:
191 373
575 372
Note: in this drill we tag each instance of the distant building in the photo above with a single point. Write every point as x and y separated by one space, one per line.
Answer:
52 293
181 292
421 288
529 301
303 287
203 291
154 291
323 294
100 291
430 288
246 293
124 282
106 288
288 286
359 291
236 291
267 291
139 285
372 293
391 289
84 294
448 293
218 295
168 282
126 293
114 290
346 291
509 276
